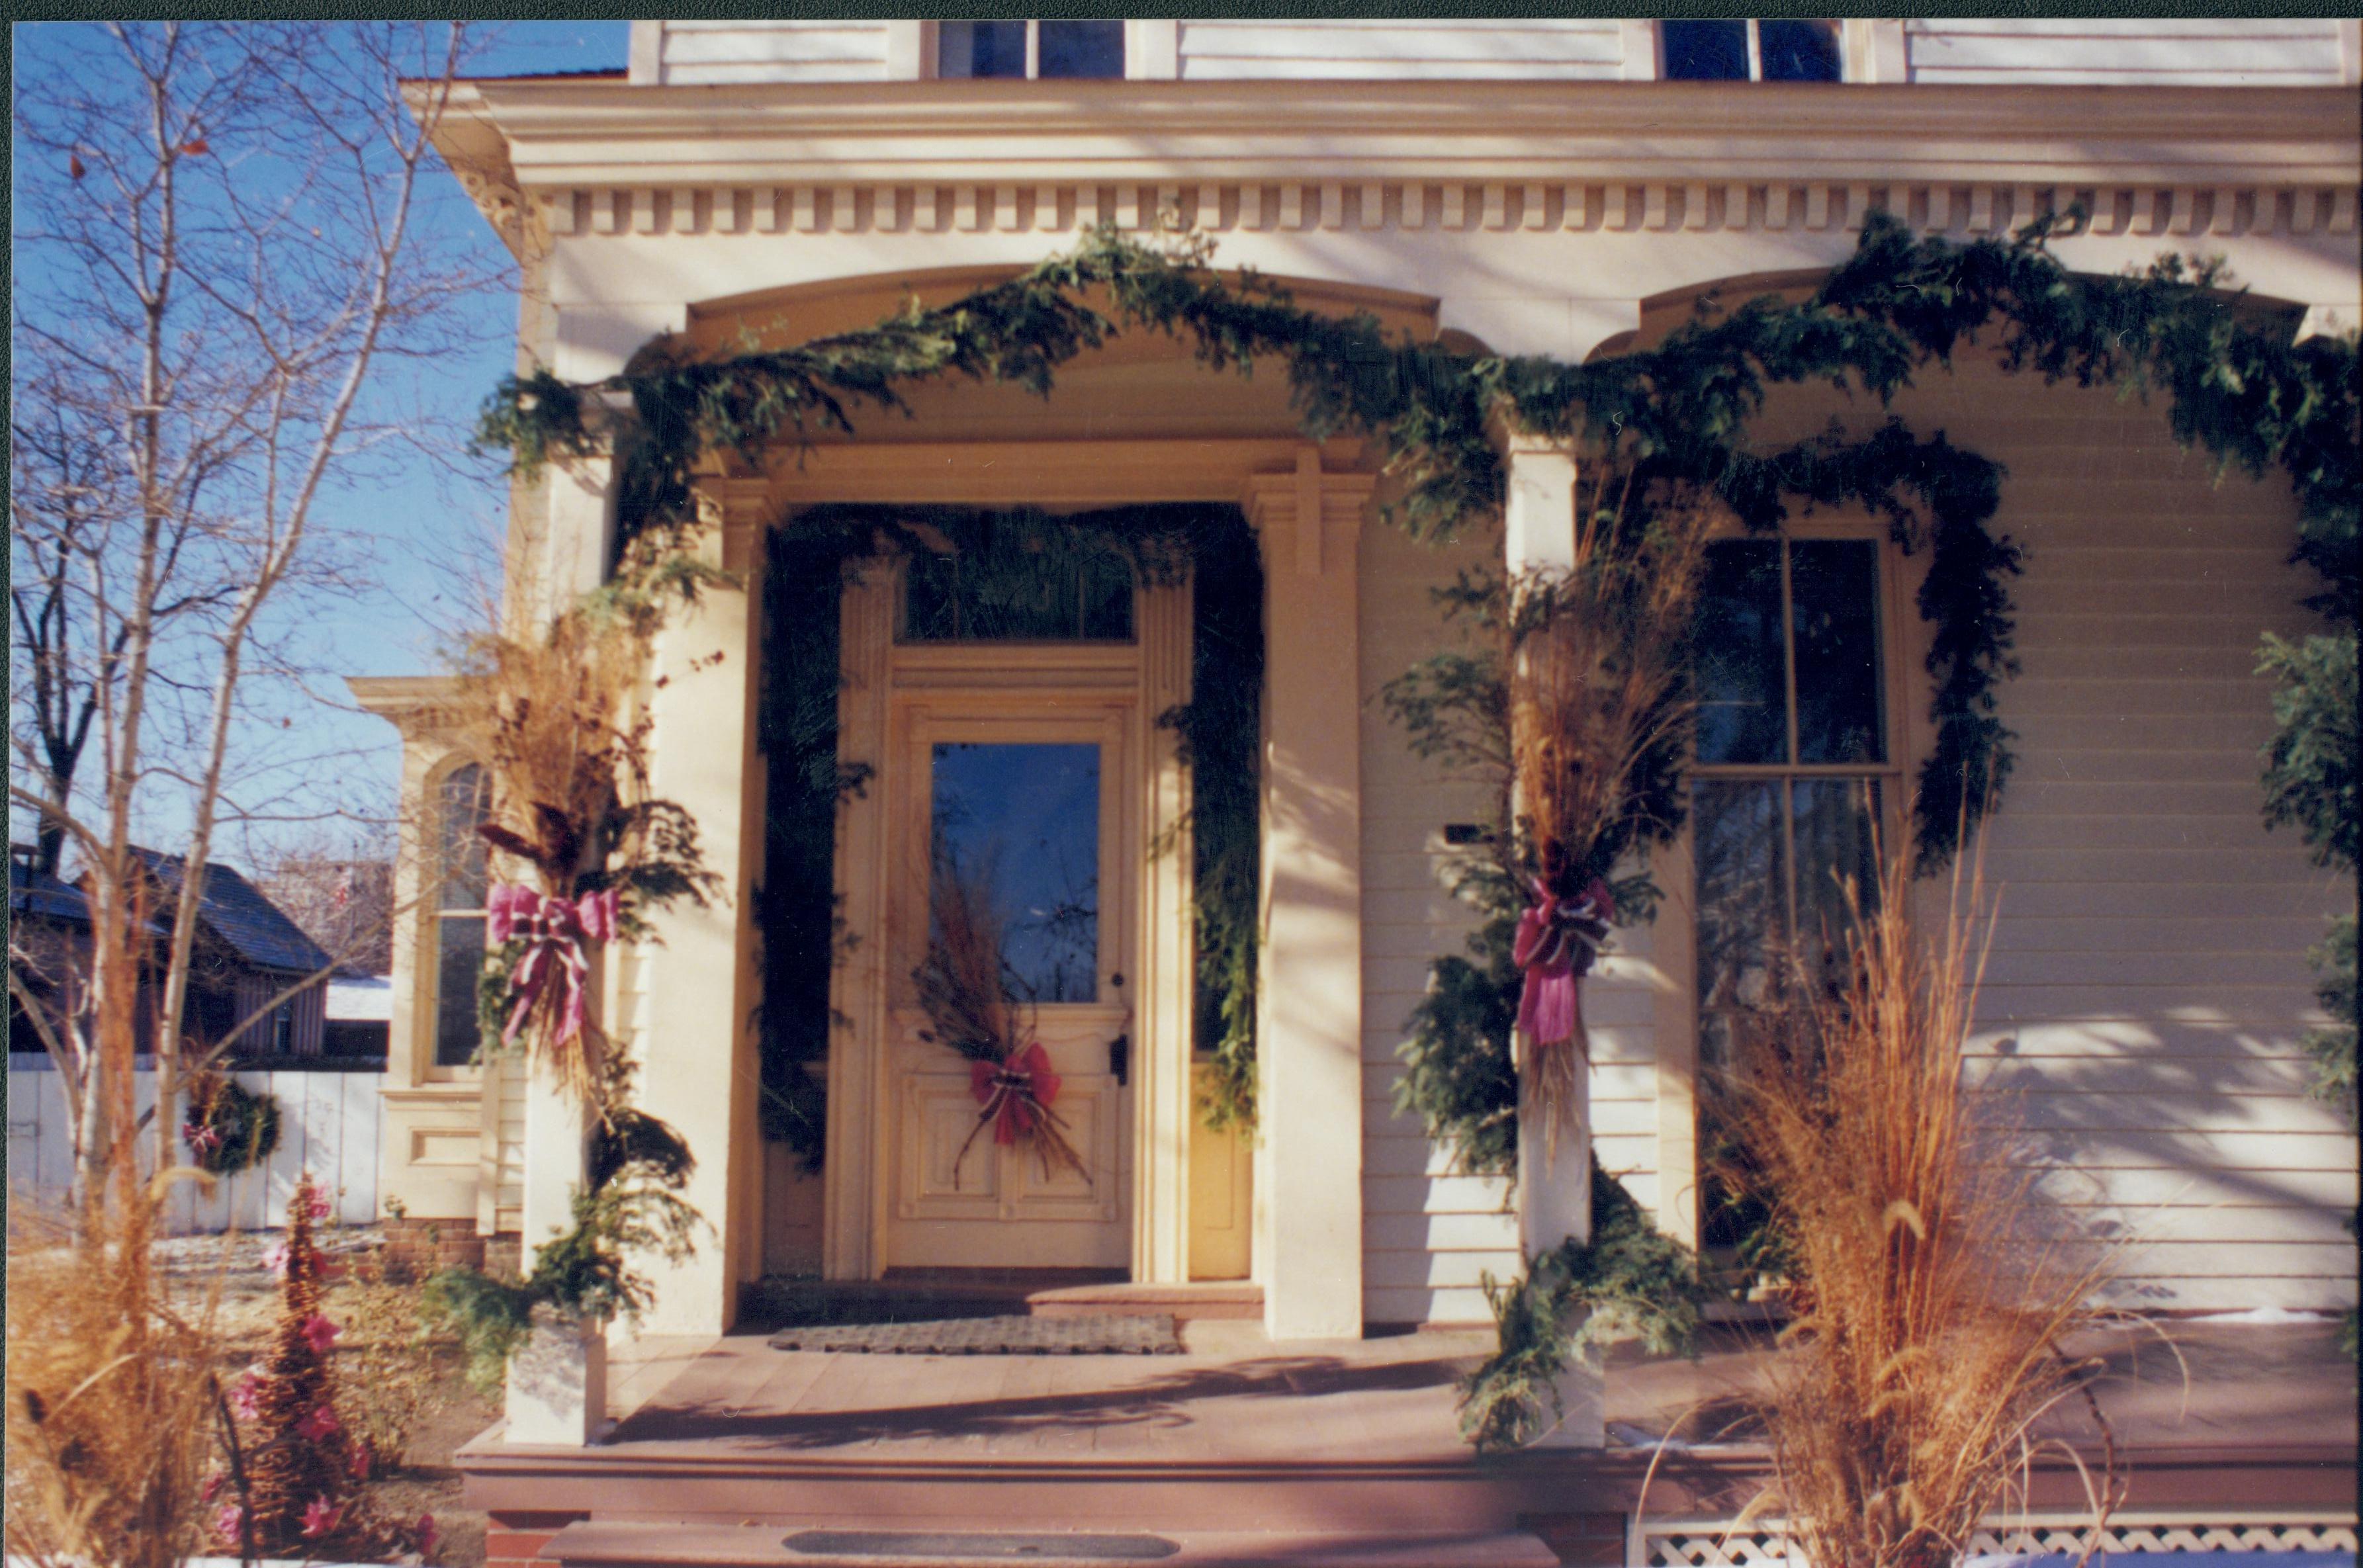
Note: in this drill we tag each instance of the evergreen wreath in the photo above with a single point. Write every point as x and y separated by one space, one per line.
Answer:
228 1127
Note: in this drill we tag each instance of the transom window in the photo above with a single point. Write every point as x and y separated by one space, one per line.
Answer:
1030 48
1011 596
1793 768
459 874
1773 49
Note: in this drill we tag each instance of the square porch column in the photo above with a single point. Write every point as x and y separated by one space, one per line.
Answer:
1554 1173
690 996
1308 1159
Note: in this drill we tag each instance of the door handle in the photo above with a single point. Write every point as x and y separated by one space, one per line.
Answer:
1120 1060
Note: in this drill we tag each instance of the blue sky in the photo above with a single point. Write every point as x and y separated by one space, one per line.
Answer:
409 524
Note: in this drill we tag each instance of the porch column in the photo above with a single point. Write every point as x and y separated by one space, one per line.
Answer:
1308 1160
1554 1175
692 1019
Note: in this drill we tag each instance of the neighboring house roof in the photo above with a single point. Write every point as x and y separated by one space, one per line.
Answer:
234 909
365 1000
41 895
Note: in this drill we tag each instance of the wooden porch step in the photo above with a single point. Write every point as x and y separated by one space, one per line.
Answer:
915 1295
640 1544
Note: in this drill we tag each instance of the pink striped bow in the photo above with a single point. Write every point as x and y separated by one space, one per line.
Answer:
1557 941
553 932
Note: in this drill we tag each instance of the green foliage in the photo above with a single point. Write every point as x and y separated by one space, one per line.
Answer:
2331 1046
2310 762
1631 1282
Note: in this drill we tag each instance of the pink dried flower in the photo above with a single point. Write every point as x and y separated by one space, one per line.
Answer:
212 1488
318 1422
230 1522
320 1333
321 1209
276 1260
242 1398
429 1534
321 1517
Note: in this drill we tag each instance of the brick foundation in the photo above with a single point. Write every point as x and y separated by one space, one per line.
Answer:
504 1255
516 1540
416 1248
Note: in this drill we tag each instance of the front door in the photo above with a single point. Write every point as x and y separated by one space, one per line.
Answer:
1024 799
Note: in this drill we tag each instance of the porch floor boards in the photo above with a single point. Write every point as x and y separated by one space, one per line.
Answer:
1239 1433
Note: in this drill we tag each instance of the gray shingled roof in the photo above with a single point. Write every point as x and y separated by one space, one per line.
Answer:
235 910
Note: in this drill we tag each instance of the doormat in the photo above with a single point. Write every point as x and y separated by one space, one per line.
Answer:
1107 1335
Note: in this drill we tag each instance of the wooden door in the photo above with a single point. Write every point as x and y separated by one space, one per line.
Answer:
1033 796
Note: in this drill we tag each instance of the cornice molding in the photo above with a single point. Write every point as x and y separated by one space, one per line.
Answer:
1610 207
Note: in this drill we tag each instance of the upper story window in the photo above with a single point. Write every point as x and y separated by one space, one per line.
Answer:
1025 50
1773 49
459 874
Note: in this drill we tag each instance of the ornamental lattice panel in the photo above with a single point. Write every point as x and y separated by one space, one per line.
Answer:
1710 1544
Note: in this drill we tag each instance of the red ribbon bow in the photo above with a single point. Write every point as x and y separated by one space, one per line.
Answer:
1557 941
554 931
1014 1093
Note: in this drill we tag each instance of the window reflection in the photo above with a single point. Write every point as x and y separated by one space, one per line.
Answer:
464 803
1024 821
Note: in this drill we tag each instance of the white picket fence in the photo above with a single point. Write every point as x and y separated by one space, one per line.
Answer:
330 1123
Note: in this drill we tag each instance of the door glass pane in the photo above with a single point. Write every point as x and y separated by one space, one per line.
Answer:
1706 51
1741 902
1797 50
1836 846
1833 596
459 961
980 49
1024 821
1740 679
1082 49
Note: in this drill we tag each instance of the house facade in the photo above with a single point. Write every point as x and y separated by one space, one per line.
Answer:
1563 187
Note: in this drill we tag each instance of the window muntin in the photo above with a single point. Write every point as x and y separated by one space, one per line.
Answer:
1772 49
460 877
1012 599
1794 775
1024 819
1021 49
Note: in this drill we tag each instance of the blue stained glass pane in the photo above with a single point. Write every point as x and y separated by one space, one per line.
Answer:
1025 820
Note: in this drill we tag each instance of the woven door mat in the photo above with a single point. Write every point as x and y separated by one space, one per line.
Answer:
1108 1335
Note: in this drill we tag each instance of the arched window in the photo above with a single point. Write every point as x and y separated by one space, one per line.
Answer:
457 903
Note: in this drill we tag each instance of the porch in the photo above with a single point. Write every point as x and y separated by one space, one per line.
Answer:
1240 1450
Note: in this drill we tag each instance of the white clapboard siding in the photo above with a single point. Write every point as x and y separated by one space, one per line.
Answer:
2208 52
716 53
2147 985
1536 48
329 1124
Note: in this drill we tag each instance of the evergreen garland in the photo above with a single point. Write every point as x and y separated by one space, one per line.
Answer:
1631 1280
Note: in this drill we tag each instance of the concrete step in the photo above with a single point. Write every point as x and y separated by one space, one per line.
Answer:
638 1544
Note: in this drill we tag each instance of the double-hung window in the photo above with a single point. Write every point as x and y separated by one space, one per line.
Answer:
457 873
1796 774
1030 49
